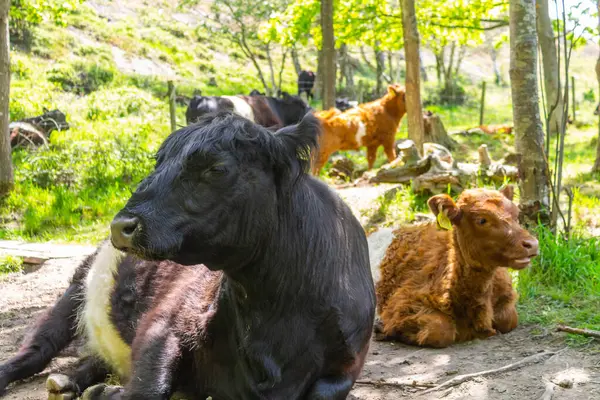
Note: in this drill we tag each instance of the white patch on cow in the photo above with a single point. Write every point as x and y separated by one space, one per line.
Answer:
240 107
94 320
361 132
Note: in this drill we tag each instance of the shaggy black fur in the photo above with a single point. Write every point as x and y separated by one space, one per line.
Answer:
278 302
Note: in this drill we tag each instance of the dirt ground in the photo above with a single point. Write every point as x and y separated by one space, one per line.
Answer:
23 297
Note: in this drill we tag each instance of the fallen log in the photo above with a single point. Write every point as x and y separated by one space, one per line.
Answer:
437 169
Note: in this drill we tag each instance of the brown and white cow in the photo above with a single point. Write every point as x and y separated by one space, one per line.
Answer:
368 125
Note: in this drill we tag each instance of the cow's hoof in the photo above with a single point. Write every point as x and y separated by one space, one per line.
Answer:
61 387
102 392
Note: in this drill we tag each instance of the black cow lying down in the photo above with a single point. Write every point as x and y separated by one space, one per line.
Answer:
267 295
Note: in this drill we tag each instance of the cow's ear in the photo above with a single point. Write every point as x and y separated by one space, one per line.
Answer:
508 191
295 146
442 205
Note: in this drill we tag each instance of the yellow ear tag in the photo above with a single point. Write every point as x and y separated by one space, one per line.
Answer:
443 221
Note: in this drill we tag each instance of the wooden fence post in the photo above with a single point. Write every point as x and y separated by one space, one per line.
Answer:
172 109
573 96
482 105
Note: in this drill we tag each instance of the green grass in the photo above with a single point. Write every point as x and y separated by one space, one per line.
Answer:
10 264
563 284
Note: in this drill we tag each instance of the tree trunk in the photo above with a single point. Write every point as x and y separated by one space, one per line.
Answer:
296 61
422 66
274 87
281 68
328 73
318 88
550 66
461 55
448 71
494 56
346 70
380 63
596 167
529 135
413 79
439 66
6 169
390 59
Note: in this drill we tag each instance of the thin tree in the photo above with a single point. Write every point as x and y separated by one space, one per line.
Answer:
328 54
6 169
413 79
596 167
529 135
550 67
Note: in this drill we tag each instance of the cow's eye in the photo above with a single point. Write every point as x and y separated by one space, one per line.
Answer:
482 221
217 170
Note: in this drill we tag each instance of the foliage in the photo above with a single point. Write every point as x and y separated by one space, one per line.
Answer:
10 264
27 13
376 23
82 78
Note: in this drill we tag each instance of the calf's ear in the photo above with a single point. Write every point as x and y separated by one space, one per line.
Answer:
442 203
508 191
295 145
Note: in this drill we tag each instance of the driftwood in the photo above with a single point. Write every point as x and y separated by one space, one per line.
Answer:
578 331
437 169
536 358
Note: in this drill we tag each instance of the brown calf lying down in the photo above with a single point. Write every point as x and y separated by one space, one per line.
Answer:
438 287
371 125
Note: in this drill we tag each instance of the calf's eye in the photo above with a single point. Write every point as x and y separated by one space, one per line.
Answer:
482 221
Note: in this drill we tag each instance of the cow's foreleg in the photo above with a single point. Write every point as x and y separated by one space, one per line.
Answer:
90 370
156 355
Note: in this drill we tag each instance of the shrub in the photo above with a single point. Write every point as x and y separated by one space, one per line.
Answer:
10 264
121 102
82 78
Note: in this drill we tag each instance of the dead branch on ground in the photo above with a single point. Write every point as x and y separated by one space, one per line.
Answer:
536 358
413 384
578 331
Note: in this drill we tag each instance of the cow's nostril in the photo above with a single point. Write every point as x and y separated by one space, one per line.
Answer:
123 230
530 244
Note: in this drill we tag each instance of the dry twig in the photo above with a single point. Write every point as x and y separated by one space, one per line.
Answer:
413 384
577 331
536 358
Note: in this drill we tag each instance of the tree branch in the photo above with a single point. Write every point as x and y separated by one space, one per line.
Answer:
536 358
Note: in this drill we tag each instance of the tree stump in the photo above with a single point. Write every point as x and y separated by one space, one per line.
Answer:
435 132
